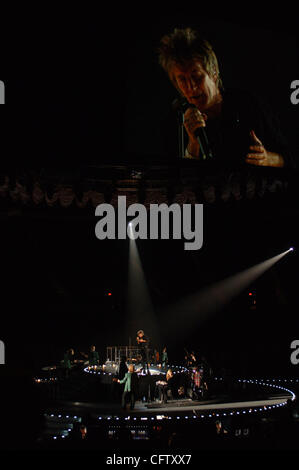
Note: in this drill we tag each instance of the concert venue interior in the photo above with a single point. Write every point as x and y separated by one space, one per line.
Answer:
233 303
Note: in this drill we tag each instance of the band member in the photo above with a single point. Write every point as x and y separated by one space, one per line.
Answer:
143 343
156 356
190 358
164 357
196 382
68 361
131 387
93 356
166 387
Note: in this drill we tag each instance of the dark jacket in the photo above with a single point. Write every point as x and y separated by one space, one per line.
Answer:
229 134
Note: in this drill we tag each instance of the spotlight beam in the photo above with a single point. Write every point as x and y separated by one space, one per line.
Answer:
140 311
193 310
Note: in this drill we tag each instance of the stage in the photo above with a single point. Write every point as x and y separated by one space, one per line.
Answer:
230 405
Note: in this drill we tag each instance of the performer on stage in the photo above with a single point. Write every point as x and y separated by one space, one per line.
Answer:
141 338
166 387
190 359
93 356
238 125
164 357
196 378
143 343
156 357
131 387
68 361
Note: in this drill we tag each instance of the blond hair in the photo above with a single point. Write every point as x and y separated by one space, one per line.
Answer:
185 45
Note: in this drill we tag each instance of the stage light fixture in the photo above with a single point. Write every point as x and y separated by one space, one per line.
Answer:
291 249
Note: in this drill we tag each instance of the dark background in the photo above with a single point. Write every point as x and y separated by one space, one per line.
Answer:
87 89
57 276
90 90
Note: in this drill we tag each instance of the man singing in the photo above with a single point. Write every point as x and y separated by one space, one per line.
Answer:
238 126
143 343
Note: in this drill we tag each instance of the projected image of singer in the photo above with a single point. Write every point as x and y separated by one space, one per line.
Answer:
219 124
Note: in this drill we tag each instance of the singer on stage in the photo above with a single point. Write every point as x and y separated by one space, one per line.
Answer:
235 124
143 343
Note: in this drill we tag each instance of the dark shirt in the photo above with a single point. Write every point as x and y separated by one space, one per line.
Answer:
164 356
93 358
229 134
123 369
142 344
68 360
171 385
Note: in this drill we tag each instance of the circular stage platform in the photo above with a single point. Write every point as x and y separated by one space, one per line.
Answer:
228 401
274 396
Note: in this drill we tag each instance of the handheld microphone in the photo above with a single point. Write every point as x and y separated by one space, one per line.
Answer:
203 143
183 105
